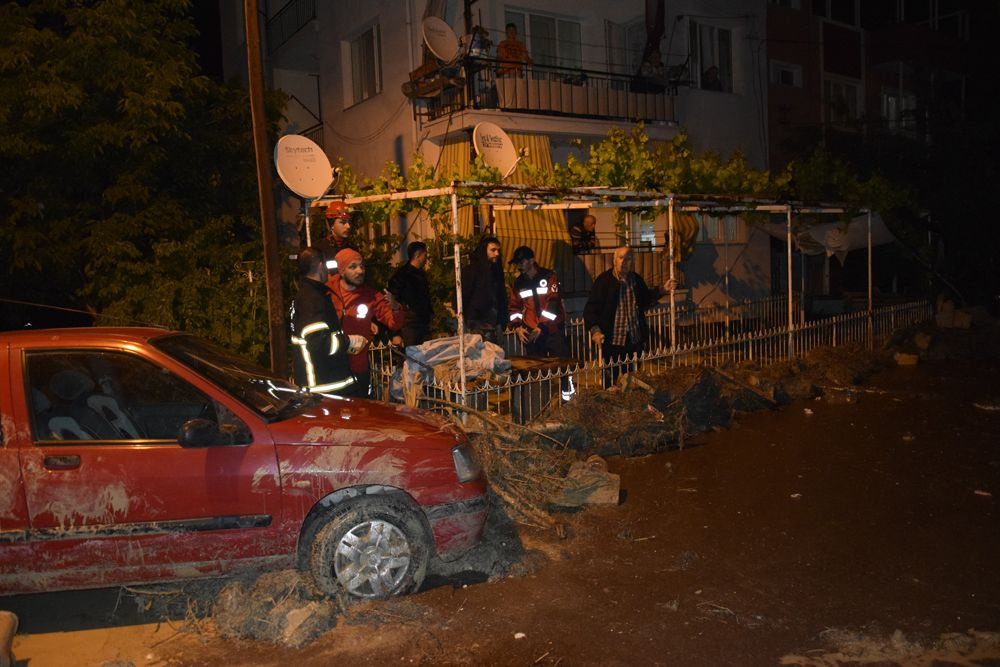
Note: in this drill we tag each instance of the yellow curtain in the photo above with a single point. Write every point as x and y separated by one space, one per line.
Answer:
544 231
455 158
685 234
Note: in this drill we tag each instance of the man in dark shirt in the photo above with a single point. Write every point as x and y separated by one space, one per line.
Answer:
583 236
484 293
409 285
321 364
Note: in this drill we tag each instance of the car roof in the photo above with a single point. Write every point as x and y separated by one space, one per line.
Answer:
83 334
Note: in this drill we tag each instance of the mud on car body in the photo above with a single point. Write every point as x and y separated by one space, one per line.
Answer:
139 455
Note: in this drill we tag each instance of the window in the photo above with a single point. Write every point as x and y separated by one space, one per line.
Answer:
899 111
841 11
711 53
363 65
786 74
841 101
551 40
112 396
725 229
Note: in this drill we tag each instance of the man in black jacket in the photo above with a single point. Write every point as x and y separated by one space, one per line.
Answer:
321 364
615 314
409 285
484 294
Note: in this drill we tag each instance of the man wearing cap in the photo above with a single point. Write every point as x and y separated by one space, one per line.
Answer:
322 362
537 311
358 305
338 222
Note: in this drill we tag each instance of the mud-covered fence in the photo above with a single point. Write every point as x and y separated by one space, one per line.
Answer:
523 396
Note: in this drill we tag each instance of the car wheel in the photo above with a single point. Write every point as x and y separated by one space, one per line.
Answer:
373 547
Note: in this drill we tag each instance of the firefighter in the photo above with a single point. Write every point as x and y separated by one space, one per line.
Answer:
359 307
321 364
338 224
537 312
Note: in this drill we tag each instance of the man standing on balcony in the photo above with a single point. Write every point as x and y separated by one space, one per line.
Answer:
512 54
615 314
537 312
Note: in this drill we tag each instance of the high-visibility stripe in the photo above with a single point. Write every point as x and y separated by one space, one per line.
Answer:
516 316
546 314
332 386
525 293
334 342
362 311
313 328
542 290
331 264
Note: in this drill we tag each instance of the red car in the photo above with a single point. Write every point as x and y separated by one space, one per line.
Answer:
141 455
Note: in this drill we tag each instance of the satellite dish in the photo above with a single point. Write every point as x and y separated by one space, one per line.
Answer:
440 38
303 166
495 147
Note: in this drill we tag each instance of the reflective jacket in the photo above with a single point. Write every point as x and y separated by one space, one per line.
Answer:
536 302
356 309
321 362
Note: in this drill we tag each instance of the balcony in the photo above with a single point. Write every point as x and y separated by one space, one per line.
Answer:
553 91
287 22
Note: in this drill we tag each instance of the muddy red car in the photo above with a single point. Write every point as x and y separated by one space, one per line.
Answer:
140 455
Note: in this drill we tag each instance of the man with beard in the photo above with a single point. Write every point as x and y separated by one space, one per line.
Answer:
484 295
409 286
358 306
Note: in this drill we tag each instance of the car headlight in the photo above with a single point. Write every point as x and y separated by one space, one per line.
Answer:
466 466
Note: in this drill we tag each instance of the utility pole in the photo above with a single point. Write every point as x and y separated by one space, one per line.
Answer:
272 265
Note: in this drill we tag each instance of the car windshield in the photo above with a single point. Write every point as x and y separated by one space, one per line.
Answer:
258 388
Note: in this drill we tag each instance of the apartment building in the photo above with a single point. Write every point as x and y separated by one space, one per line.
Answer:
365 86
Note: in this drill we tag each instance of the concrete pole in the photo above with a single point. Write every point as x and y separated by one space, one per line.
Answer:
272 266
871 303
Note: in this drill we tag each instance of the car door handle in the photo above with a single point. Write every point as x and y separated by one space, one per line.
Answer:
68 462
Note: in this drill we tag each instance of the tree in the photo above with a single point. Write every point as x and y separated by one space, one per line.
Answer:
128 177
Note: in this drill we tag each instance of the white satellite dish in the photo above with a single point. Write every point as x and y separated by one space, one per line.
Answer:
303 166
440 38
495 147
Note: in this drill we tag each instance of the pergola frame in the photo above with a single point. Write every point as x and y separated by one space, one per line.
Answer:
526 197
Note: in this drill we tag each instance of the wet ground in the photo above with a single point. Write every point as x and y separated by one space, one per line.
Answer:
859 529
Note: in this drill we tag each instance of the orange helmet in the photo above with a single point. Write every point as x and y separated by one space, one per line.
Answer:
337 209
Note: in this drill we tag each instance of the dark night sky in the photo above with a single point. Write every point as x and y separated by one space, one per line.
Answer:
208 43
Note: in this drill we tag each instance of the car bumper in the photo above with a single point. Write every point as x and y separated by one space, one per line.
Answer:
458 526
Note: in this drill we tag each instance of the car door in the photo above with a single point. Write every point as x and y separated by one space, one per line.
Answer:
113 496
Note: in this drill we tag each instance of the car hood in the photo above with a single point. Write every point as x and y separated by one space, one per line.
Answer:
335 421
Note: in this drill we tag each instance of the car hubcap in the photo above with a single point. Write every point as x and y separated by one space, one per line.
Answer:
372 559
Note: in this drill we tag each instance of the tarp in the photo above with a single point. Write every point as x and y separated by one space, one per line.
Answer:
835 238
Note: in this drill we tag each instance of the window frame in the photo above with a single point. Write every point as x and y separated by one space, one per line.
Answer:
695 48
831 80
522 19
730 229
779 66
354 86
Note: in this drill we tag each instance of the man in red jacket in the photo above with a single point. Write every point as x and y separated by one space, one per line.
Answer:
358 305
537 311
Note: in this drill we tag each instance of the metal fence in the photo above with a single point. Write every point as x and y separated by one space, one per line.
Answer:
524 396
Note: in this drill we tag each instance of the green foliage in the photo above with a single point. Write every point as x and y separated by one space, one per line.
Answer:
129 179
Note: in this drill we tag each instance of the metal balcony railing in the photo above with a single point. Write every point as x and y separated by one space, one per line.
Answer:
540 89
289 20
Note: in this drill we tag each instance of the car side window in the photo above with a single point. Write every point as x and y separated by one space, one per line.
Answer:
111 396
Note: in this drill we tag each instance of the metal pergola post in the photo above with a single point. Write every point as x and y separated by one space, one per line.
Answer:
791 316
871 304
670 251
458 292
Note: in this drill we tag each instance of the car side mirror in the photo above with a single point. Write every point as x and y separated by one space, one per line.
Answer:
202 433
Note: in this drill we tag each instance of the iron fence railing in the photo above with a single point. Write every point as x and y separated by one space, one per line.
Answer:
524 396
289 20
548 90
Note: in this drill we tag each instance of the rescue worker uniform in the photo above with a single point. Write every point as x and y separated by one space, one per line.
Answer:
357 308
535 303
321 364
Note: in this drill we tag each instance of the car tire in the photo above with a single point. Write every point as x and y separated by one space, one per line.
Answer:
373 548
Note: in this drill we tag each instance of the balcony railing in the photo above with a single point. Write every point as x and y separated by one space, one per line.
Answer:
288 21
555 91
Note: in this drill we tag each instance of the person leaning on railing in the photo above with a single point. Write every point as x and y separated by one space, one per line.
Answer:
615 313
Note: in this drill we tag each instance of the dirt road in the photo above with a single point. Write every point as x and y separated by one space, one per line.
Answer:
856 529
